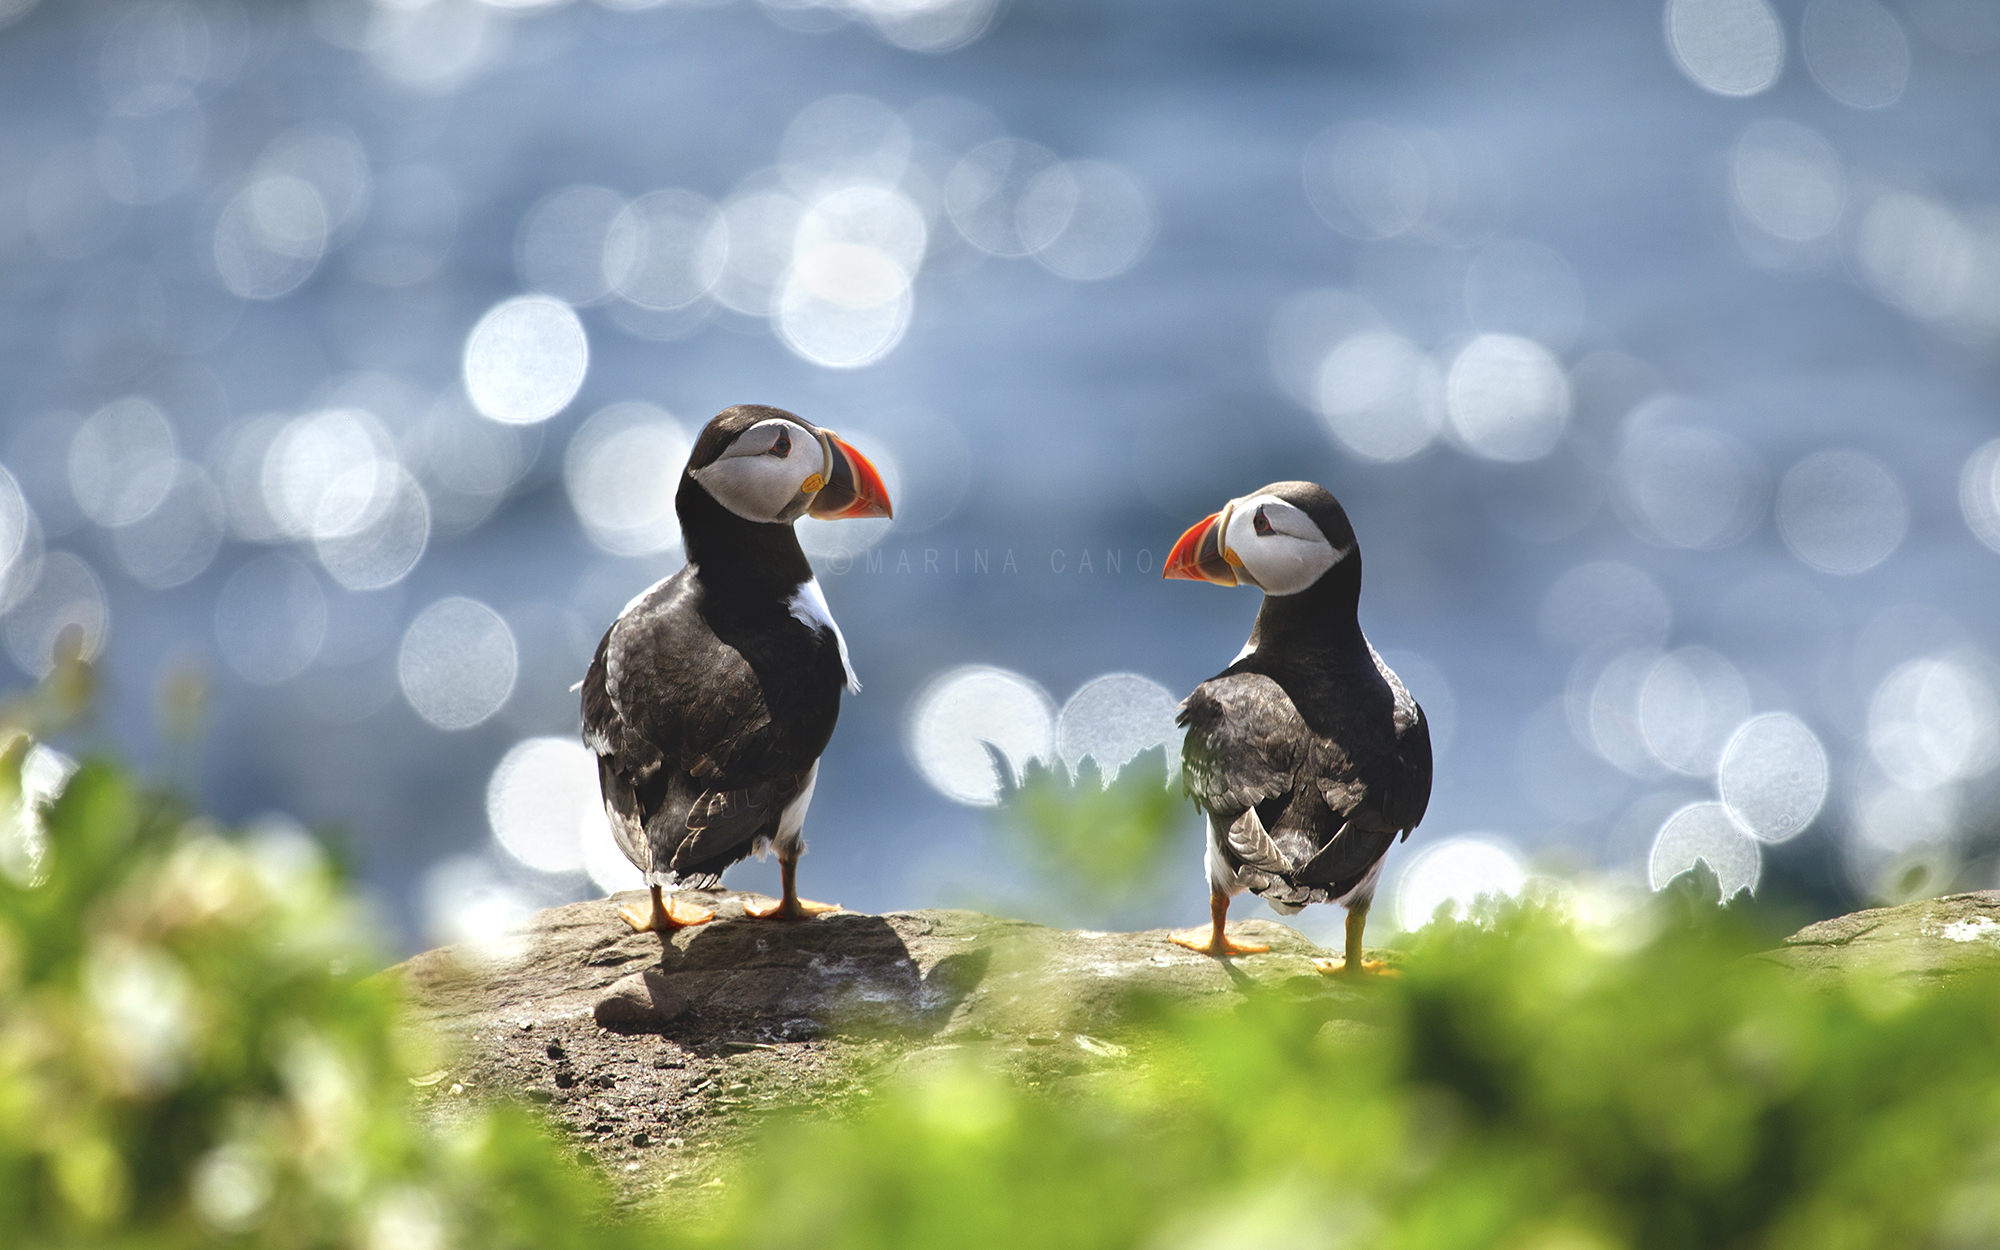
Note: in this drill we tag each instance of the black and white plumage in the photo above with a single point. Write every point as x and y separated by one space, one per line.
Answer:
1307 754
713 694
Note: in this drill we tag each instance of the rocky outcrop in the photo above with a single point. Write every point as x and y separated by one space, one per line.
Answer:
656 1052
1924 942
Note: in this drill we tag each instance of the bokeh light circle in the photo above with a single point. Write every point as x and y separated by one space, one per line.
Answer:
1706 832
1787 180
666 249
384 543
179 537
1685 486
1935 720
1381 396
66 595
326 473
1602 704
1507 397
559 249
843 306
1773 776
1605 602
984 194
1979 493
1456 870
844 137
115 458
1105 220
1730 47
930 25
20 542
1368 180
1689 703
457 663
525 359
622 470
1917 254
1842 512
468 906
542 802
957 713
1856 51
1114 717
270 237
869 216
763 233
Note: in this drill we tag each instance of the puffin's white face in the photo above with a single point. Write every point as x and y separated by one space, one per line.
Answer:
770 473
1274 546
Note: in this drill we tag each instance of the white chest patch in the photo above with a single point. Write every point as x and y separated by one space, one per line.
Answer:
808 605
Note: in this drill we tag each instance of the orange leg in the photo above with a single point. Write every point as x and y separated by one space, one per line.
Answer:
791 907
1354 965
1215 941
665 915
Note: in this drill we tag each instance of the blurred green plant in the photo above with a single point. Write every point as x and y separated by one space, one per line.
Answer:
1097 851
1525 1084
191 1052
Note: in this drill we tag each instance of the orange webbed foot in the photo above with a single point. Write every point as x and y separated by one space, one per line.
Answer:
1205 942
788 909
1367 968
665 916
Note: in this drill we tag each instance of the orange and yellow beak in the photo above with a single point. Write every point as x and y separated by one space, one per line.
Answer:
853 489
1200 556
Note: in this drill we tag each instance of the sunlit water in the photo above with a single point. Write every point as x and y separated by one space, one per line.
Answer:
355 349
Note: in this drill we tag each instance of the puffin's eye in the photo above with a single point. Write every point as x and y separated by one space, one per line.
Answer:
783 447
1259 524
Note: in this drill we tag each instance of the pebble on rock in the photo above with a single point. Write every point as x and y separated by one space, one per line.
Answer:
642 1000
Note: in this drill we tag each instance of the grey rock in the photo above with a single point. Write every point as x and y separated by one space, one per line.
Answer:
704 1031
1925 942
844 974
643 1000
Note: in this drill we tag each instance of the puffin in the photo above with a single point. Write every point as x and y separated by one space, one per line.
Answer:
1307 755
713 694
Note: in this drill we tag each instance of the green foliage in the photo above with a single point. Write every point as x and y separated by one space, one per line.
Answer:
192 1054
1524 1084
1097 851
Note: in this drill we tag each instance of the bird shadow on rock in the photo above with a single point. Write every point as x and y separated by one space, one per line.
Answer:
844 973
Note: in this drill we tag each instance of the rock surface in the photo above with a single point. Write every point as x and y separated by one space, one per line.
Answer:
656 1053
1925 942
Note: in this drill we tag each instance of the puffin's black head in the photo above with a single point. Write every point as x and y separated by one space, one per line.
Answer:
1281 539
767 465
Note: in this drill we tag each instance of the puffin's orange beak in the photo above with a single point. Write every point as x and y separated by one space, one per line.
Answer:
852 490
1198 555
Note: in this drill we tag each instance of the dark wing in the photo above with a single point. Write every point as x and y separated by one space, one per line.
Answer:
722 826
625 762
1407 784
1377 797
1243 744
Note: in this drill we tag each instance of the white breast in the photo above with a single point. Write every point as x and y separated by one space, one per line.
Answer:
808 605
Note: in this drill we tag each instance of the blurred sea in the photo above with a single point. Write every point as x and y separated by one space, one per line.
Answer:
354 346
